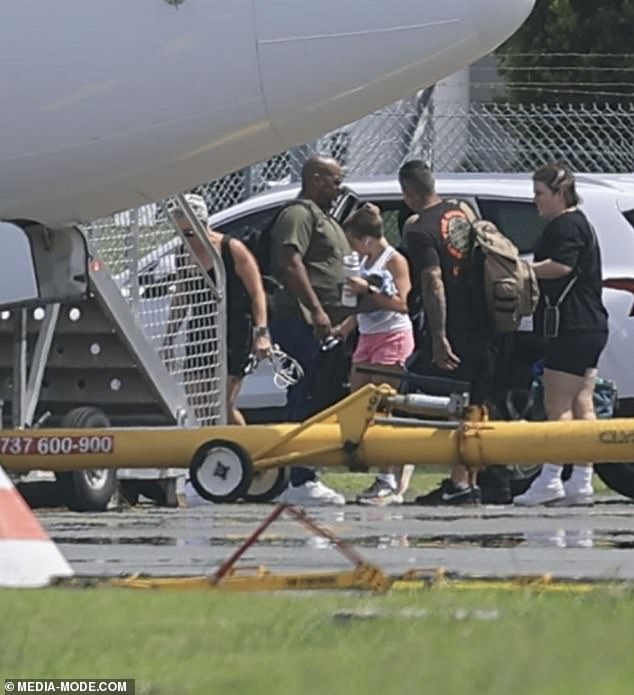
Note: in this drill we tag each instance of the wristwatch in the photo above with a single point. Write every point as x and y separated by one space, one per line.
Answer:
260 331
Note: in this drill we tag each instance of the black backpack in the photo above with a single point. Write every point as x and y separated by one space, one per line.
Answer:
258 241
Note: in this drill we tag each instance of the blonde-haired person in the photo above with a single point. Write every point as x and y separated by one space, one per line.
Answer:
568 266
247 319
386 337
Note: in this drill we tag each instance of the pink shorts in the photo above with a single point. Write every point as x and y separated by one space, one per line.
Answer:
393 347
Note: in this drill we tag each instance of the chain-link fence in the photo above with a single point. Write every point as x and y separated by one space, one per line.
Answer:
480 137
165 287
172 299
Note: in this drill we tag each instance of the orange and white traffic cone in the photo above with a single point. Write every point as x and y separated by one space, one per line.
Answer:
28 557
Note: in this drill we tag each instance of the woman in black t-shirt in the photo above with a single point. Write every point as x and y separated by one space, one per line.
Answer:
573 320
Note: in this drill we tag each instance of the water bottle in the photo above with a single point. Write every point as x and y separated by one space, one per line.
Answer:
351 268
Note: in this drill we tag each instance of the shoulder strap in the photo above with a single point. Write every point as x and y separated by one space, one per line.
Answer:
382 259
576 271
564 292
302 203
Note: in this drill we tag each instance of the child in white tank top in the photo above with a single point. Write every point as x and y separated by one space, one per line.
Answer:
386 336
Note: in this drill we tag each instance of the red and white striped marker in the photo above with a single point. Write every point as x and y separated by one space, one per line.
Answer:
28 557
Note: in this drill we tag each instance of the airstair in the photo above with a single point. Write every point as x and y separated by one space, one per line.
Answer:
93 354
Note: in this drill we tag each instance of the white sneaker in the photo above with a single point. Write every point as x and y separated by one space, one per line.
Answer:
380 494
192 498
311 494
540 493
576 496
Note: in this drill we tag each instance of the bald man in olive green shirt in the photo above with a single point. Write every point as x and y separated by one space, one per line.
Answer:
308 246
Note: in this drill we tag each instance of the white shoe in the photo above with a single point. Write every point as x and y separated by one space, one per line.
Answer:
380 494
540 493
192 498
311 494
577 496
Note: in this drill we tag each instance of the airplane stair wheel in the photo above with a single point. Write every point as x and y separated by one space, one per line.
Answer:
87 490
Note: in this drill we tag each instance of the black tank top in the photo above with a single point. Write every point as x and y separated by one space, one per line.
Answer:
238 300
237 297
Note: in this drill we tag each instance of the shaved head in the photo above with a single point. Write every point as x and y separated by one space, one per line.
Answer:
321 179
319 164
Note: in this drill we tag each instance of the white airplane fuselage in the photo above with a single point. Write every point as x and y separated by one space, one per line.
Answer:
110 104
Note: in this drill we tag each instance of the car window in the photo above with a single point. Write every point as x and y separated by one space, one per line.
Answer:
517 219
395 214
244 226
629 216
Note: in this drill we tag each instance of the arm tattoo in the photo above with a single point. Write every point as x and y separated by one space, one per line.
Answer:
434 301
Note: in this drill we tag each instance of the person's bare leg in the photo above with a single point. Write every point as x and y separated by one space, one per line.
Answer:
358 380
402 474
404 477
234 416
560 391
583 409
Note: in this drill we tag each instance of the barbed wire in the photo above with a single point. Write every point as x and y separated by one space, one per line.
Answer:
558 90
554 68
553 83
566 54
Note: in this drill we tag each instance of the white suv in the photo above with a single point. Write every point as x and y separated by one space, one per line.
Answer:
505 199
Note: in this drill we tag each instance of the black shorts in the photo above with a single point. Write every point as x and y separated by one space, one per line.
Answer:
574 353
239 343
239 347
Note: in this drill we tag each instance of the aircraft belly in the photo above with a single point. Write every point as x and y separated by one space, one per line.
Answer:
116 93
112 104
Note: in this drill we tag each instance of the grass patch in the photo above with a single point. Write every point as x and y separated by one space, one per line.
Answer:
350 484
424 480
438 641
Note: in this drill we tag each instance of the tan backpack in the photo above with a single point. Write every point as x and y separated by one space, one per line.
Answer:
508 282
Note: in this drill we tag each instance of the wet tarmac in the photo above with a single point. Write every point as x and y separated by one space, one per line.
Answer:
490 541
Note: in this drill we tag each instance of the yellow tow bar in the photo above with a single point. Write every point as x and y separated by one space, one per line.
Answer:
359 432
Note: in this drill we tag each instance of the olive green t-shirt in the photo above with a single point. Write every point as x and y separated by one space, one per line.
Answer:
322 244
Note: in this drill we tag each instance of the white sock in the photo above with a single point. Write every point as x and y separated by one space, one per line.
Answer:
549 474
581 476
388 478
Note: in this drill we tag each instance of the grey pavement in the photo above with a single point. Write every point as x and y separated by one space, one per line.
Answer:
490 541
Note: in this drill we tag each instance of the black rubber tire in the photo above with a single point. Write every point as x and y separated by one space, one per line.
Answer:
162 492
618 477
230 450
79 489
275 478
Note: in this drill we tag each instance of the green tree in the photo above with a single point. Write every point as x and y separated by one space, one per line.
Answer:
572 51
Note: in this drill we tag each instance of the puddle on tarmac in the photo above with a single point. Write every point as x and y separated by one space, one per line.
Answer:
556 538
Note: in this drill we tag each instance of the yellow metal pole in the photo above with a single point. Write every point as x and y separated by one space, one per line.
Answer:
476 444
344 434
